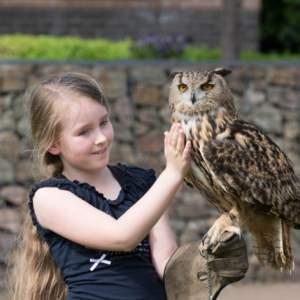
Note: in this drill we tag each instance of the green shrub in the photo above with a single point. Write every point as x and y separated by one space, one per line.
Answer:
273 56
27 47
61 48
40 47
193 53
280 26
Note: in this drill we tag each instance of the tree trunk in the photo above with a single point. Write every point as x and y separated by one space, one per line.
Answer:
230 41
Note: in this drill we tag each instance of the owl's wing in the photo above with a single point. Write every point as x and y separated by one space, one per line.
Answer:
253 168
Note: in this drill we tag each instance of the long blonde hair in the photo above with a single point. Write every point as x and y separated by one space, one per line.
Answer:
33 272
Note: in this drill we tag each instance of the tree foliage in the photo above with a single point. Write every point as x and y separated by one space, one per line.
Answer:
280 26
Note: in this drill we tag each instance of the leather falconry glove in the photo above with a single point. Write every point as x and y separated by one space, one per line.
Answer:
192 274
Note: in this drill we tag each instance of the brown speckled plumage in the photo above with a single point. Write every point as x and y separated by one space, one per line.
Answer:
236 166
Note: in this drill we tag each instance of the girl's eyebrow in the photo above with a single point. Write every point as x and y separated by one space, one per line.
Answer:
87 124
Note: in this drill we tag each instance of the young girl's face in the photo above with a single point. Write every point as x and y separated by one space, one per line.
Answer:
86 137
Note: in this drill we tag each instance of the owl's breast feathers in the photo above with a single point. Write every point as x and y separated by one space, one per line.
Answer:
233 159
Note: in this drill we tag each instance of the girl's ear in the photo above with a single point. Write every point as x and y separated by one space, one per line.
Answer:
54 149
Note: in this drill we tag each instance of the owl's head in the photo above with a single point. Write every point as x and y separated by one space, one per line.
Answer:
198 92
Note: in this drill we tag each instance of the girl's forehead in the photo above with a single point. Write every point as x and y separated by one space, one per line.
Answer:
82 110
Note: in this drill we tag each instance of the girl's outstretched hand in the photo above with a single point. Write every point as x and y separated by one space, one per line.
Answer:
177 150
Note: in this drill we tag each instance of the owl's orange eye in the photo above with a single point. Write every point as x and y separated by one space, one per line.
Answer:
207 86
182 87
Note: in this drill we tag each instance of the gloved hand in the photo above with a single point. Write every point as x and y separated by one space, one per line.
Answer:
191 276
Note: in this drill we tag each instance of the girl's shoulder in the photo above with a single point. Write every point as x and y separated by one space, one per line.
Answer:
53 182
54 186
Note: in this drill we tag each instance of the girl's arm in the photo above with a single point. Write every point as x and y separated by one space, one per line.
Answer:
163 243
71 217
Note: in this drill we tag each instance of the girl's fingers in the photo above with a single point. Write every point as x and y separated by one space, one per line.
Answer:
176 139
166 139
174 135
187 149
180 142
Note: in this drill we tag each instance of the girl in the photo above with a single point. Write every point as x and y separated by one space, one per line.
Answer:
94 230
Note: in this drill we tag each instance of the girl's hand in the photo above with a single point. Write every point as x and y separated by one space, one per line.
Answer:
177 152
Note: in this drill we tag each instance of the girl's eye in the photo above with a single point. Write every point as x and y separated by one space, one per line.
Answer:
182 87
104 123
207 86
83 132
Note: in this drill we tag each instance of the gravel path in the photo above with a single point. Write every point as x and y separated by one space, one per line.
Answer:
278 291
282 291
3 296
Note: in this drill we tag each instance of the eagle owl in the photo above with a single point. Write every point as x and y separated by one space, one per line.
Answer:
237 167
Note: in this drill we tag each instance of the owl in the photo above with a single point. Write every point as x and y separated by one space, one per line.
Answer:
237 167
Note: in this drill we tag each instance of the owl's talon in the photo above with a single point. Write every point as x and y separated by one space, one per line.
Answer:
204 246
220 233
227 236
207 245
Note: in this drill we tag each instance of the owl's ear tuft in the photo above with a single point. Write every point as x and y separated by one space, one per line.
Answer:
222 71
174 73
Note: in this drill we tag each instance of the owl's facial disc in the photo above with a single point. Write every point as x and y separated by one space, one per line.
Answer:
198 96
199 93
193 94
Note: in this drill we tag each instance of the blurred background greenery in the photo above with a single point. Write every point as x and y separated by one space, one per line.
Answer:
278 39
280 27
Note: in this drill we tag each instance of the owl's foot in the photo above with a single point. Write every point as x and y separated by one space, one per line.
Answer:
222 231
272 245
283 262
276 258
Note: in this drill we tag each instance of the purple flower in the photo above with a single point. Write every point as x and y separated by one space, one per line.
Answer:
159 46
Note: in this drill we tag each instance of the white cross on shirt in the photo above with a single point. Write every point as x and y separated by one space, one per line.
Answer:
98 261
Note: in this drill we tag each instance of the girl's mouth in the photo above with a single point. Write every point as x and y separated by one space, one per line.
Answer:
100 151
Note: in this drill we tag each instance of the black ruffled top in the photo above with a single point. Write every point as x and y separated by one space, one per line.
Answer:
104 275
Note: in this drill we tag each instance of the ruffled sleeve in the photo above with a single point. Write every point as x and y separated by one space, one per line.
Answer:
82 190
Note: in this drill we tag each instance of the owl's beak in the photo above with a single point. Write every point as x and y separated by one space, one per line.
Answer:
194 98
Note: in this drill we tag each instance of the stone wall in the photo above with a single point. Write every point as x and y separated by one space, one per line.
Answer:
199 21
265 94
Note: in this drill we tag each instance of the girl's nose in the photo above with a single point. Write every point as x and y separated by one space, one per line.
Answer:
100 138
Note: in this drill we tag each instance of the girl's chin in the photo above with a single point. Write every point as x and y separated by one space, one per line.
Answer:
100 156
95 163
101 162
